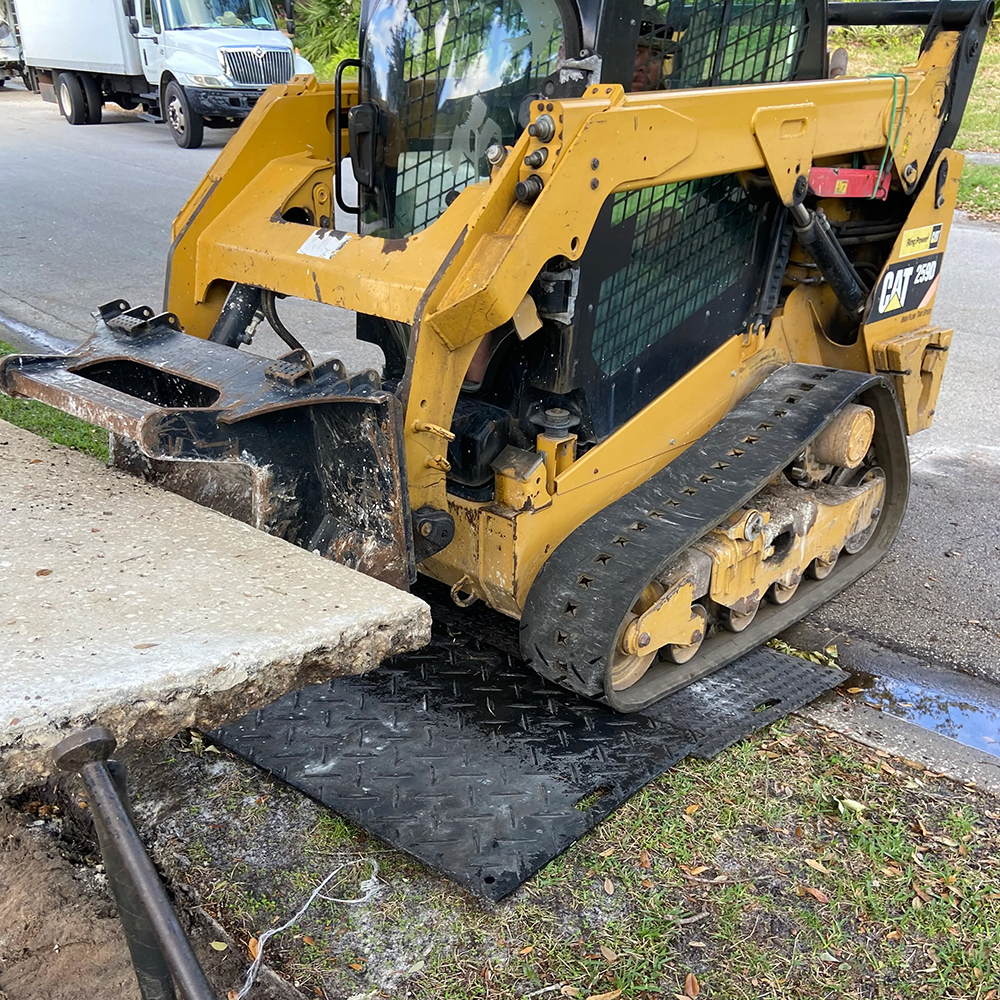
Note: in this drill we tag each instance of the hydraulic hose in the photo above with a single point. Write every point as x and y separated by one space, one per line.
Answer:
816 236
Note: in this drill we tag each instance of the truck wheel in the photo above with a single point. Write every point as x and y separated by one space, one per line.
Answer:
187 127
71 100
94 100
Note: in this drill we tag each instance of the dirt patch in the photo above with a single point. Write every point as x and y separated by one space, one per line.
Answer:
60 937
59 932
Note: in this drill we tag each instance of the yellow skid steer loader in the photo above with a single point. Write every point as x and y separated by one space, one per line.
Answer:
653 284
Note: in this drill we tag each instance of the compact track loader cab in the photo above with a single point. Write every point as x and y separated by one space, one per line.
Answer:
654 294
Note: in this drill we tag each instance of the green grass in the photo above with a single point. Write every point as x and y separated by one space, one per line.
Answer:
795 864
52 423
979 191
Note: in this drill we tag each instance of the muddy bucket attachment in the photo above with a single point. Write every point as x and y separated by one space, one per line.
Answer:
306 453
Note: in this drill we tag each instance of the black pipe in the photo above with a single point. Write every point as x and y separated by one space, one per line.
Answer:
271 314
133 878
956 13
816 237
151 969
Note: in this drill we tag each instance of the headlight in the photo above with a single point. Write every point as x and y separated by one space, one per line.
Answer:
205 81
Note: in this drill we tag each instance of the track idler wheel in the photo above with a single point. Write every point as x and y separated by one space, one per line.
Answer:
675 653
782 593
735 621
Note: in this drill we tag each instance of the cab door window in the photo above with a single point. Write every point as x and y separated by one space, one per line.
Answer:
150 16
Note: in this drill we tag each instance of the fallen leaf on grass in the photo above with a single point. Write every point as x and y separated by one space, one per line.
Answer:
218 945
646 884
697 944
818 866
691 985
845 806
818 894
644 861
692 809
527 950
613 995
697 870
253 947
357 966
947 841
610 956
569 991
609 887
607 853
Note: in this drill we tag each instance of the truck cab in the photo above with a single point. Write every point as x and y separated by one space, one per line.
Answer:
210 60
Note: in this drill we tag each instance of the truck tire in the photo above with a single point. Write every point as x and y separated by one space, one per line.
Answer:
93 98
186 126
71 100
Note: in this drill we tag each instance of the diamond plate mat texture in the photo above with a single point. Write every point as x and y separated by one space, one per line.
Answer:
467 760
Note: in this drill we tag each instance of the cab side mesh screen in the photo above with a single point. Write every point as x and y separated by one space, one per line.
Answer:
701 43
691 243
692 239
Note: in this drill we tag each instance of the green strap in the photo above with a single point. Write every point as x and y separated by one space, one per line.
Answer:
895 126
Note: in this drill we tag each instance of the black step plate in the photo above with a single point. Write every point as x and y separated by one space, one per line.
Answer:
465 759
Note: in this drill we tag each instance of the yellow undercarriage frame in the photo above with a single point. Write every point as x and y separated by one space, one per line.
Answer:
470 271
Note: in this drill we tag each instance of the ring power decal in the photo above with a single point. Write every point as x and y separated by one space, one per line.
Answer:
904 287
920 240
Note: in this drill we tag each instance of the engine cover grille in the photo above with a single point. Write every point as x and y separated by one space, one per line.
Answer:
257 66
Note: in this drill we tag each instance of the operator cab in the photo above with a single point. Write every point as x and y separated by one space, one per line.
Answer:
442 82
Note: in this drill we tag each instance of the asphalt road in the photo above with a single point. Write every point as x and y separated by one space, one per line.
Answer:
85 217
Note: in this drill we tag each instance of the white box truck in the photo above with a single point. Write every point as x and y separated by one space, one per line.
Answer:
193 63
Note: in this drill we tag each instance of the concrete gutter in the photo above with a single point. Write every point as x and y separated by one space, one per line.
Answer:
881 730
899 738
129 607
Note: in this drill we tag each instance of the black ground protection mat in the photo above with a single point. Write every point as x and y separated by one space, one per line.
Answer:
468 761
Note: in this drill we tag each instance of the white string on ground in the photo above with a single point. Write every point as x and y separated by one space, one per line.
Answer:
368 886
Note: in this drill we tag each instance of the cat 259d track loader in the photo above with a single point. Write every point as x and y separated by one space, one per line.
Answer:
654 293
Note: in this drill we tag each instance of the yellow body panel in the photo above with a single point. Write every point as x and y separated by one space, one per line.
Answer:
469 272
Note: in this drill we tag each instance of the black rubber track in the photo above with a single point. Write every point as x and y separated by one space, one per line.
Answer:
577 604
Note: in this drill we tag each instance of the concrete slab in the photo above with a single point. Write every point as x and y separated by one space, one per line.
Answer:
127 606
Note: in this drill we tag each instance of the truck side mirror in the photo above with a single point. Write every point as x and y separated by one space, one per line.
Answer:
133 26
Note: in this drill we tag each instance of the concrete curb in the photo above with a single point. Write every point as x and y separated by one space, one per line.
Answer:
130 607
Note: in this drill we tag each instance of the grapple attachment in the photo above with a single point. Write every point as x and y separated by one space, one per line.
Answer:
306 453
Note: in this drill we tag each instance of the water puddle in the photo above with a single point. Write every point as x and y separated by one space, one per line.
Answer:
976 724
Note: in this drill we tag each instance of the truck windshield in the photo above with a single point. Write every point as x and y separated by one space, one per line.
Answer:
218 14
